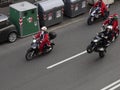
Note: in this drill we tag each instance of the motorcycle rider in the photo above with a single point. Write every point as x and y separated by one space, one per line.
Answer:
107 36
43 37
102 6
112 20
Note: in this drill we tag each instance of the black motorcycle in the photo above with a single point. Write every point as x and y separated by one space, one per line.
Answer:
98 44
33 51
95 14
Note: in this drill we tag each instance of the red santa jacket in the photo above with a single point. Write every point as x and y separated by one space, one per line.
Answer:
43 36
114 23
103 6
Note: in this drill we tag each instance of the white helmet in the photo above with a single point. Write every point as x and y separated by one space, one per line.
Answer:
44 28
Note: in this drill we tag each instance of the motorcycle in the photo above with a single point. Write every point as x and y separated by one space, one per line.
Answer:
33 51
98 45
95 13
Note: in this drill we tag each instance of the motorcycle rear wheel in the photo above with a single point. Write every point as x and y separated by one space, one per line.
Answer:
89 21
117 34
106 15
46 51
101 54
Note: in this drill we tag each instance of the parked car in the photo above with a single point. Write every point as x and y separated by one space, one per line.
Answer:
8 31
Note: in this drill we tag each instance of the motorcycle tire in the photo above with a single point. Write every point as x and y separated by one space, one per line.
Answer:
30 54
117 34
89 21
89 49
46 51
101 54
106 15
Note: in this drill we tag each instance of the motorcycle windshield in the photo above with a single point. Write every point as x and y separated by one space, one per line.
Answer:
97 38
95 11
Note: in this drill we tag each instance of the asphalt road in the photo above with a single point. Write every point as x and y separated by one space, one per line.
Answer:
83 72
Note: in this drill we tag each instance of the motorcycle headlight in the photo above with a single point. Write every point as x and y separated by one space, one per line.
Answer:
95 40
34 41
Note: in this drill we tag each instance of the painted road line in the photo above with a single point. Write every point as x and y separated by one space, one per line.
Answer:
68 59
115 87
111 85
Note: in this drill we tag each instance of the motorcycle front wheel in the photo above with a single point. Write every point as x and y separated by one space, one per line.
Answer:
30 54
89 49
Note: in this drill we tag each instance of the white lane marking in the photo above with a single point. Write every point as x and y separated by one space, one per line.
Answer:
115 87
111 85
68 59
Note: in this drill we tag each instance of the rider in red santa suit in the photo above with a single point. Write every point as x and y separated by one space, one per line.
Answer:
102 6
112 20
43 37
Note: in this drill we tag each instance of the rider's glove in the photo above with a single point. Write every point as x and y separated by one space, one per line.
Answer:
40 41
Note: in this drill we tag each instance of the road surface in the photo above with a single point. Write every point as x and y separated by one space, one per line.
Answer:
68 66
